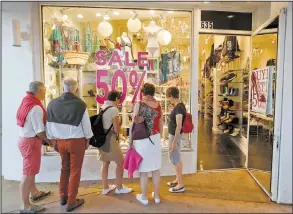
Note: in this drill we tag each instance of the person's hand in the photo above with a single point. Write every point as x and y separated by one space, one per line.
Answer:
55 146
87 144
174 147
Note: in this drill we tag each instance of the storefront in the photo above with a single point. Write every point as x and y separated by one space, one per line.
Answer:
161 45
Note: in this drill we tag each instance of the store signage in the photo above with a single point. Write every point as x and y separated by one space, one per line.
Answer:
133 78
262 90
207 25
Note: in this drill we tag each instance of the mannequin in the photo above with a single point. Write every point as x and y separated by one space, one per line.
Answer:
153 47
118 47
126 45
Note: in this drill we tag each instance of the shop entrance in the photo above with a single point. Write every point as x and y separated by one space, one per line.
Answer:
223 101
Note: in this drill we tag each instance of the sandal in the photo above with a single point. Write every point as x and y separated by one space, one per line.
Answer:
34 209
77 204
171 184
40 197
173 190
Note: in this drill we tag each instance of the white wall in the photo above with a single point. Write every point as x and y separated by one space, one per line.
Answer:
17 72
285 171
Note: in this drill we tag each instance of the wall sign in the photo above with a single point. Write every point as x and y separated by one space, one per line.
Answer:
262 90
135 81
207 25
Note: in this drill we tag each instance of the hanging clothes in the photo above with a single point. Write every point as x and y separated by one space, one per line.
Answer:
165 68
88 40
76 41
96 44
174 62
56 40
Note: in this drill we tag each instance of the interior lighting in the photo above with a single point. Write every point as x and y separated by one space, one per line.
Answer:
80 16
106 17
65 17
206 2
98 14
116 13
230 16
170 12
152 12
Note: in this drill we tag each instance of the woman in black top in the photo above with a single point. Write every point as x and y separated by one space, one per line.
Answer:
175 136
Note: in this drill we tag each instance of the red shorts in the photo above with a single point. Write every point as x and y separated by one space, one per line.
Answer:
31 151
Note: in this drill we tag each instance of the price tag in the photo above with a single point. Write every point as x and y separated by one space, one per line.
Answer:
207 25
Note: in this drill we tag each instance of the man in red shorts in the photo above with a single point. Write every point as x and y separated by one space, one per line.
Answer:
31 119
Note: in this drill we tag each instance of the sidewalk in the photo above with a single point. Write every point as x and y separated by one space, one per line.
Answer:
219 192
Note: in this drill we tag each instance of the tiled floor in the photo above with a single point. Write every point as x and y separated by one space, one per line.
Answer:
216 151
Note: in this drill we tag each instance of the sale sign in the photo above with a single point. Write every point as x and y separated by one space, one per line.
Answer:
131 79
262 90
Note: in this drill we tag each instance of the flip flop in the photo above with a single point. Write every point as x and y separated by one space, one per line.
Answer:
171 184
77 204
40 197
34 209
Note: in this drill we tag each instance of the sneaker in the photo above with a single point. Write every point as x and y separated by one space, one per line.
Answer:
157 200
124 190
139 198
106 191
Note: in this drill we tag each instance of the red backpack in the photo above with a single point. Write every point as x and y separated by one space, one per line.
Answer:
187 124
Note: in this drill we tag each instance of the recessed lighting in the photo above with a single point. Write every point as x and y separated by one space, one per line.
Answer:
98 14
206 2
170 12
106 17
65 17
230 16
116 13
152 12
80 16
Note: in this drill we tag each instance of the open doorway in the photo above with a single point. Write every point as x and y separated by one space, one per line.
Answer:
223 101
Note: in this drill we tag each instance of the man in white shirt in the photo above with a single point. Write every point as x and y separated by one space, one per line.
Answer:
68 122
31 119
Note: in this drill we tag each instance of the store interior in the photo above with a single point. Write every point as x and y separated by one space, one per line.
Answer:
73 35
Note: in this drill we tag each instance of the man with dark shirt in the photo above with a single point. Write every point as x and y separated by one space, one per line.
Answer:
175 136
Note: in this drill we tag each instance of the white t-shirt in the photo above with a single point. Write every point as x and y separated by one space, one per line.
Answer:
34 123
109 115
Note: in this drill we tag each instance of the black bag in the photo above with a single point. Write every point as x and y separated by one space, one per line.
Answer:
100 135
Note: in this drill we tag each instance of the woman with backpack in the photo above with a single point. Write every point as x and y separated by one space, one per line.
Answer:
175 136
148 119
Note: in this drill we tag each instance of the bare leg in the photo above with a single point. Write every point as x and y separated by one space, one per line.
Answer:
156 183
119 174
178 171
25 189
104 170
34 189
144 185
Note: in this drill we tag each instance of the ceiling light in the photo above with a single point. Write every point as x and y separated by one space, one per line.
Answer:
230 16
206 2
80 16
98 14
106 17
273 41
65 17
170 12
152 11
116 13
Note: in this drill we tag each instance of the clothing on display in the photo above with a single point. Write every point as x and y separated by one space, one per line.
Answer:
153 46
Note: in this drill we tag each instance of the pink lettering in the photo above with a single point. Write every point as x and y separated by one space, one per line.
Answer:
142 61
100 59
127 60
115 58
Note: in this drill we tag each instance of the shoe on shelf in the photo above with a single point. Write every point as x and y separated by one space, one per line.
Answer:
230 77
157 200
124 190
106 191
139 198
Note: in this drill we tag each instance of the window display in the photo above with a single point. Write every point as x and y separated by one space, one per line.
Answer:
118 52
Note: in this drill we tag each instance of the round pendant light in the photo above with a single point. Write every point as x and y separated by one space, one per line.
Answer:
105 29
134 25
164 37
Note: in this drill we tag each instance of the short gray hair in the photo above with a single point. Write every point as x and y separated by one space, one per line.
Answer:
35 87
70 85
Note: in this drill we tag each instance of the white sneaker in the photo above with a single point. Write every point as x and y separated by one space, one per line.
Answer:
124 190
139 198
157 200
106 191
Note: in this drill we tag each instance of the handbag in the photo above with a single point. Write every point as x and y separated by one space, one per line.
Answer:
140 130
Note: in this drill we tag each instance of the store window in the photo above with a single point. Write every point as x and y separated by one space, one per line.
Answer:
76 41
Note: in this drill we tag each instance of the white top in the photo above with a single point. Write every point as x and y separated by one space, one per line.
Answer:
33 124
64 131
152 30
109 115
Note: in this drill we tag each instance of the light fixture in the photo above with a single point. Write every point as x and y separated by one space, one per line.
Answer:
65 17
170 12
105 29
106 17
230 16
273 41
134 24
164 37
80 16
98 14
152 12
206 2
116 13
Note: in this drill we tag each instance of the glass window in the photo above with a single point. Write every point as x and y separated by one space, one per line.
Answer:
73 37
